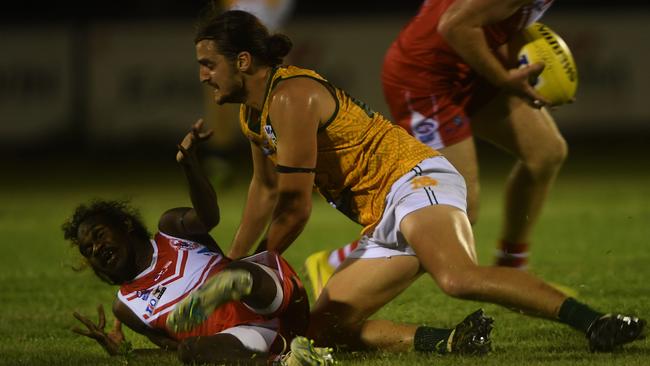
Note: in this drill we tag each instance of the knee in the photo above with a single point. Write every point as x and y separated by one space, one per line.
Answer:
545 163
330 328
457 283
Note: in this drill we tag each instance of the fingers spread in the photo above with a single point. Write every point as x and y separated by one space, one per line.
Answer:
84 320
82 332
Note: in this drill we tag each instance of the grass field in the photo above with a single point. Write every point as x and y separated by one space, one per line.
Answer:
594 236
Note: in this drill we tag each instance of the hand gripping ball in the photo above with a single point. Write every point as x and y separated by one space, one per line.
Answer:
558 81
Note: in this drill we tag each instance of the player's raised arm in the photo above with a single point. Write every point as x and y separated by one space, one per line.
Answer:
296 110
204 215
262 196
462 27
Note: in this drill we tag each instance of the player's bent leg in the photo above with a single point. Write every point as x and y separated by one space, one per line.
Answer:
321 265
194 309
254 284
219 349
319 271
357 290
339 316
533 137
251 345
446 256
462 156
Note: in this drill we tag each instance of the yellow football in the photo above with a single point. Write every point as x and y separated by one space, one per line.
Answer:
559 80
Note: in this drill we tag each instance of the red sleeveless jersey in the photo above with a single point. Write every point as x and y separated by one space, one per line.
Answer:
179 266
420 49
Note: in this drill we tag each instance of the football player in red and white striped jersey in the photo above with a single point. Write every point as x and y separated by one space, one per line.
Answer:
156 273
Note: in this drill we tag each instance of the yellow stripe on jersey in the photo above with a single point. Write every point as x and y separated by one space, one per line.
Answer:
360 153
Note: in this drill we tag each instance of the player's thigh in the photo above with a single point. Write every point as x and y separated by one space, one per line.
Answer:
528 133
361 287
462 155
442 238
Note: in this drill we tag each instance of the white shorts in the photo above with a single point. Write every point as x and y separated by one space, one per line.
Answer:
434 181
257 338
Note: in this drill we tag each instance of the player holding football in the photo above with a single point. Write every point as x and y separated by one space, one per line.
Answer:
452 74
305 132
257 305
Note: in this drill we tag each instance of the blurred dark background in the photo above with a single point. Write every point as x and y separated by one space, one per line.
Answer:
118 78
142 9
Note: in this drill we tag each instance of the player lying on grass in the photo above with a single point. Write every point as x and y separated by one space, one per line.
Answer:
270 309
157 278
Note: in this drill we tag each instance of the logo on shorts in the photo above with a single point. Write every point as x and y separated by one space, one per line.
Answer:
425 130
421 182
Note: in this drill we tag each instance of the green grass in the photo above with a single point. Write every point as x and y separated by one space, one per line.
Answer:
593 236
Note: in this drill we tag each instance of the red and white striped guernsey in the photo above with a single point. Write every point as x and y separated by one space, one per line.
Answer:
179 266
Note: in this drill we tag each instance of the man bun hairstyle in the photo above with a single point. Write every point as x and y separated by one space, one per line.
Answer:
236 31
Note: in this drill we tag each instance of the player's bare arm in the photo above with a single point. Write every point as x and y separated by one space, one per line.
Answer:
262 196
126 316
113 341
204 215
462 27
297 108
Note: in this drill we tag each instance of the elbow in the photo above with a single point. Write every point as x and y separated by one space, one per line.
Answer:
295 206
211 223
209 218
452 24
448 28
443 28
216 218
302 214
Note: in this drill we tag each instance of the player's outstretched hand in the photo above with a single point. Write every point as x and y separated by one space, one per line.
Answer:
519 83
113 341
187 147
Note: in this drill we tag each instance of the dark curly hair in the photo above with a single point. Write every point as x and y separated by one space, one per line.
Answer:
235 31
118 213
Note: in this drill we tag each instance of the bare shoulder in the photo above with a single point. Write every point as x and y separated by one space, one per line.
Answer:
302 95
298 88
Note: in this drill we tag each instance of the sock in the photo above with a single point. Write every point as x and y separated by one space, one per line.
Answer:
512 254
428 339
578 315
338 256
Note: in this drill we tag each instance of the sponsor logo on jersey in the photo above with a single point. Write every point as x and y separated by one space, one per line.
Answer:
143 294
183 245
206 251
162 271
270 133
154 299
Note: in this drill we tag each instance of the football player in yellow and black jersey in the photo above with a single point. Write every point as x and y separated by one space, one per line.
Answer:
305 132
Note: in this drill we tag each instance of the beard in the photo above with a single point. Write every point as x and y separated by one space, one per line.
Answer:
236 95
